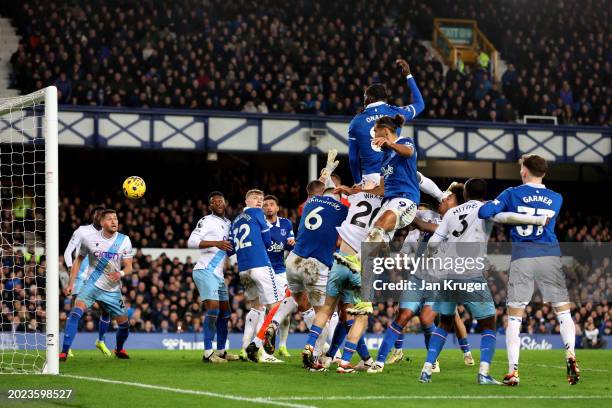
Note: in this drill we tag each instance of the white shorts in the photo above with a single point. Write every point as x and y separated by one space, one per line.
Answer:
281 281
308 275
404 209
262 283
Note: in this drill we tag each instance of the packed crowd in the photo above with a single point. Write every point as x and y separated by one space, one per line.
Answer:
161 296
314 57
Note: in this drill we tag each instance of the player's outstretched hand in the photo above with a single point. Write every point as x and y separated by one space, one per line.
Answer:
404 66
224 245
380 141
345 190
67 291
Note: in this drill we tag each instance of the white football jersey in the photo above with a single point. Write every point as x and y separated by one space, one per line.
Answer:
105 256
465 236
75 242
210 228
364 208
415 237
461 224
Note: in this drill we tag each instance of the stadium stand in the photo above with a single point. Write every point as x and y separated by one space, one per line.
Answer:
240 56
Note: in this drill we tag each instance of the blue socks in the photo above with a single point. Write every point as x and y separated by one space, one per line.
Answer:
399 343
464 345
210 327
72 325
222 330
123 331
362 349
394 331
436 343
338 338
427 331
349 350
103 326
487 346
315 332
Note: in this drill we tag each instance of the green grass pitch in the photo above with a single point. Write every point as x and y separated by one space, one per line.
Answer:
180 379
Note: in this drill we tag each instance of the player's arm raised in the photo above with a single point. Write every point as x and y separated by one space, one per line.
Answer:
412 110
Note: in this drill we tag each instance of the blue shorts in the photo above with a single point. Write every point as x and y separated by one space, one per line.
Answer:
415 299
343 282
111 301
479 310
210 285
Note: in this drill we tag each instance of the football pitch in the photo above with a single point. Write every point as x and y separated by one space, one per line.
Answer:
180 379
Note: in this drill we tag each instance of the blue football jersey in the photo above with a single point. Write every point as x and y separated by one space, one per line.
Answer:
280 232
365 158
317 235
250 235
400 173
530 199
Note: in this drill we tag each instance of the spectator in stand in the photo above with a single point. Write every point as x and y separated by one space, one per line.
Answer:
310 58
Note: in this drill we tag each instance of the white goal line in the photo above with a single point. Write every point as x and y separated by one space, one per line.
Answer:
254 400
440 397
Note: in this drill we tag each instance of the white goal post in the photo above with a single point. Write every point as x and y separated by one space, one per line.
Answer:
25 129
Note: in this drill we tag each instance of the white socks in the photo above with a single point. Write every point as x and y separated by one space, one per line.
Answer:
284 331
513 342
568 332
287 307
309 317
251 323
484 368
333 322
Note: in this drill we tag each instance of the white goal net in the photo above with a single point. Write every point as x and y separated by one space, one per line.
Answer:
29 294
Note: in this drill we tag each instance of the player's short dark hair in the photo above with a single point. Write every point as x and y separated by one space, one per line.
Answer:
536 165
475 189
107 211
392 123
457 189
315 187
214 194
96 209
271 197
376 92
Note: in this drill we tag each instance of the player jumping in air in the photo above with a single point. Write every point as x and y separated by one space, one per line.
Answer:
107 250
74 246
400 186
211 237
415 302
536 257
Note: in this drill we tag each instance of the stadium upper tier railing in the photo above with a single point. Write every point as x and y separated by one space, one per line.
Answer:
213 131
